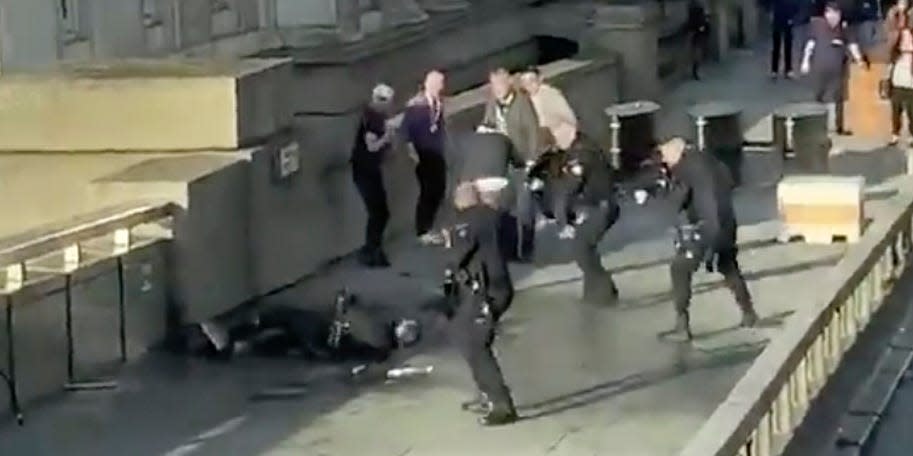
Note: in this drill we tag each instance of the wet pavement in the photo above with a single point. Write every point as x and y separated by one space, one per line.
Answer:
587 380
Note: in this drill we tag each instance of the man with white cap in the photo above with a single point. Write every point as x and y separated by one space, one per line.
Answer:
372 141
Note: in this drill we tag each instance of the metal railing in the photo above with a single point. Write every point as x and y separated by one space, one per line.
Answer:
69 244
763 410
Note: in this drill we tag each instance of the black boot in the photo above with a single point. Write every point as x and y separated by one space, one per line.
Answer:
694 72
749 316
599 290
681 332
500 414
380 259
479 404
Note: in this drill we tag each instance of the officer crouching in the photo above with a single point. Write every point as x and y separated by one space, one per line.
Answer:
586 207
481 291
701 186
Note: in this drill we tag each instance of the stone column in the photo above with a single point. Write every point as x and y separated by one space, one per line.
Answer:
443 6
750 18
719 18
348 20
632 33
401 12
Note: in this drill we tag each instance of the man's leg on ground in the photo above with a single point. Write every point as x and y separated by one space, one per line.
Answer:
598 286
728 266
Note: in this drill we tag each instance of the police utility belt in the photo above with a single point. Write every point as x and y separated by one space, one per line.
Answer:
689 241
452 281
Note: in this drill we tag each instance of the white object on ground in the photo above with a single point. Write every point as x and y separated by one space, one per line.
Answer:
409 371
640 196
567 232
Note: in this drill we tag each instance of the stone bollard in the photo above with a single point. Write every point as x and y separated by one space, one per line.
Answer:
633 134
718 129
800 130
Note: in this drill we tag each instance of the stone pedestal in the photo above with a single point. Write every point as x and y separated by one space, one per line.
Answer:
800 129
632 33
718 130
633 134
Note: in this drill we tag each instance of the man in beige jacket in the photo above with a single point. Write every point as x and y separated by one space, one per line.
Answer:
551 107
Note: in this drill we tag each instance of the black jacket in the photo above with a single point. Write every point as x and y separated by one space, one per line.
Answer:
476 248
593 187
477 155
702 188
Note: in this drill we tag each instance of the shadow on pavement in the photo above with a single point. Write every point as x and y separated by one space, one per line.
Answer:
594 394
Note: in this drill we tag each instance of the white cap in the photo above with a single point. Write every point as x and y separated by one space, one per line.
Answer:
382 92
491 184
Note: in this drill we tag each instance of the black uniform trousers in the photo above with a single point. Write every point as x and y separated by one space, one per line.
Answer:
586 241
368 179
683 268
473 334
431 172
782 44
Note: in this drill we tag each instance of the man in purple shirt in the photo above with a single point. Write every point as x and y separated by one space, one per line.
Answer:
423 129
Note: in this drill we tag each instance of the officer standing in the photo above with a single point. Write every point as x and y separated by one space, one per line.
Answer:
702 187
482 292
372 141
476 245
585 191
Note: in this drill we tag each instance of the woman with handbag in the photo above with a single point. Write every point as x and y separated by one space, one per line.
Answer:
899 84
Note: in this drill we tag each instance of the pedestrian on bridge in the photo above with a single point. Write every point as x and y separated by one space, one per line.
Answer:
701 187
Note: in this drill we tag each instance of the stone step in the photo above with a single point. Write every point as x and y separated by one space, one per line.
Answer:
145 105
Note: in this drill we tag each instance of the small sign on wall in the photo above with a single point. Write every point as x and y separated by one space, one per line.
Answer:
288 161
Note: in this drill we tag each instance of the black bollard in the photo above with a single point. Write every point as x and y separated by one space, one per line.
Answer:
718 129
633 134
800 131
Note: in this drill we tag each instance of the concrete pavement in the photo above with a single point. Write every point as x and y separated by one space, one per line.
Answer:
587 380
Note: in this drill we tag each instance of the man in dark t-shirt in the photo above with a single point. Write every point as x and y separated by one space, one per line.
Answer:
825 57
371 142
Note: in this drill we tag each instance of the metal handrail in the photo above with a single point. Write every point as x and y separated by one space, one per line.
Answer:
34 244
15 252
762 411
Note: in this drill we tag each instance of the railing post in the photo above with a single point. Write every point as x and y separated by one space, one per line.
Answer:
15 277
72 257
122 240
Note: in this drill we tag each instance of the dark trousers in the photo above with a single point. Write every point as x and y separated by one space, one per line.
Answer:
782 42
598 286
473 334
431 172
697 50
370 184
901 102
830 88
683 268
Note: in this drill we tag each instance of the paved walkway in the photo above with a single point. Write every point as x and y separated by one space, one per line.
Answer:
588 381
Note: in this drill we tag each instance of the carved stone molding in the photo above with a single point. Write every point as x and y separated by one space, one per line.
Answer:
401 12
443 6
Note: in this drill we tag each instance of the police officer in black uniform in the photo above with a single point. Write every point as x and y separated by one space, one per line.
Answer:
701 186
481 292
475 243
583 198
351 330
